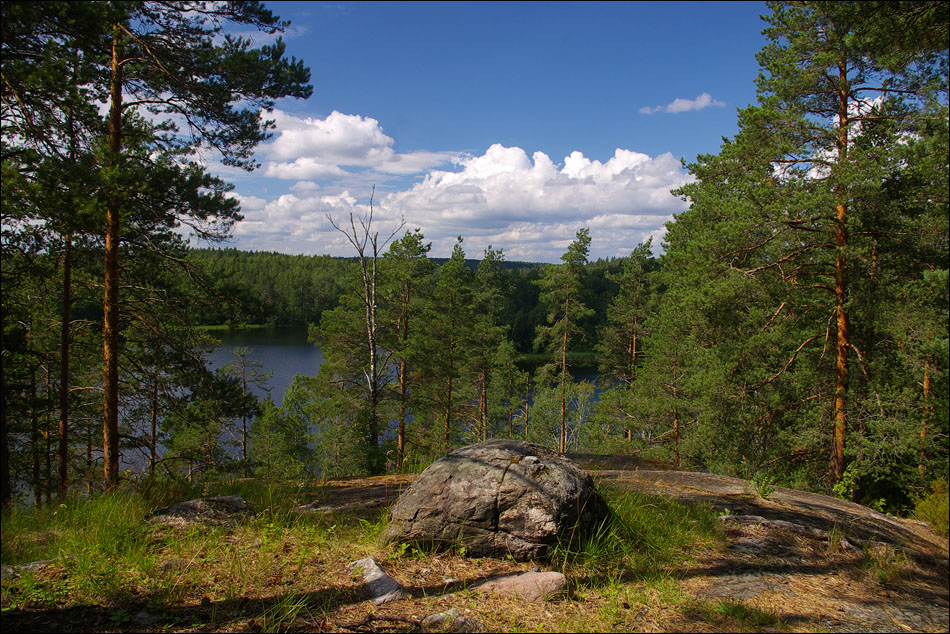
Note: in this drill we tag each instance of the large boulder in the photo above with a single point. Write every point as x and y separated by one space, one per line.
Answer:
497 498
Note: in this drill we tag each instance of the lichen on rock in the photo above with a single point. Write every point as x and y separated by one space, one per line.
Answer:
497 498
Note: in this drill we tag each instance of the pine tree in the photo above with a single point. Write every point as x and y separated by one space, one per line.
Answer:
166 61
406 268
791 225
562 290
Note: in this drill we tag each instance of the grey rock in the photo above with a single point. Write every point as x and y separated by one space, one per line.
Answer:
224 510
382 588
497 498
145 618
533 586
450 621
13 572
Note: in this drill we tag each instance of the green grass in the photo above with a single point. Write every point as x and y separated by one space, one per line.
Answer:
284 569
645 538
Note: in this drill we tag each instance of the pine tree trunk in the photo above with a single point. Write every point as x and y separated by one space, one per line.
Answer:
927 412
403 383
64 342
5 492
841 317
153 438
448 397
110 386
563 438
34 442
244 417
483 405
401 434
527 402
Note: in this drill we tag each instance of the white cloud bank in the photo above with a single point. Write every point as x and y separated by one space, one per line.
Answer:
678 105
530 207
313 148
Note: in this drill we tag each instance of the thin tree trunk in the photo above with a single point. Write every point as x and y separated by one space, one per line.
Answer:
34 443
483 405
841 317
153 438
676 435
563 439
527 402
64 343
448 397
244 416
110 423
5 492
403 382
48 437
927 412
633 356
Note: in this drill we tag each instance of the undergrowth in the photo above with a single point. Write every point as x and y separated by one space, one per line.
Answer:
934 508
644 537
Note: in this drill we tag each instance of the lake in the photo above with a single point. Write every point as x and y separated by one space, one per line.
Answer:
284 351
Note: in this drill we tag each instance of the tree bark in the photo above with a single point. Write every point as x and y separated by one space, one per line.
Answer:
927 412
483 405
563 437
34 443
153 438
841 317
110 423
403 381
5 492
64 343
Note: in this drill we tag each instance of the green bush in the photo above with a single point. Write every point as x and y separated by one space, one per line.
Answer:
934 508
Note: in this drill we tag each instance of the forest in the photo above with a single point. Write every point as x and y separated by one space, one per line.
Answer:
791 329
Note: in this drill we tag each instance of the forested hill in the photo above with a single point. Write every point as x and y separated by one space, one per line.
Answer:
266 287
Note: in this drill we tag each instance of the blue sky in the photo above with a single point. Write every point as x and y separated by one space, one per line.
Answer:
511 124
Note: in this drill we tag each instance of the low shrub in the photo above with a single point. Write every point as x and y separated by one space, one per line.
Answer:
934 508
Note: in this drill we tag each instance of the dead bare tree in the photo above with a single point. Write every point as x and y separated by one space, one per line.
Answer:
369 248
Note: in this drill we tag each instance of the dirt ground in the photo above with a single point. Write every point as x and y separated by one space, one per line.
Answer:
897 580
784 554
807 562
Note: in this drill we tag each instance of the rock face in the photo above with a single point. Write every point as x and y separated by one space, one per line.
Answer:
497 498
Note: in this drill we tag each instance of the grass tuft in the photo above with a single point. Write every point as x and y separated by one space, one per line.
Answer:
643 538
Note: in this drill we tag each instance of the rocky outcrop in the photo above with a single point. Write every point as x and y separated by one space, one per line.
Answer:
497 498
224 510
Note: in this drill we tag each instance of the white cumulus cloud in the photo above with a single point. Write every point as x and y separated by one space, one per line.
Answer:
679 104
315 148
532 207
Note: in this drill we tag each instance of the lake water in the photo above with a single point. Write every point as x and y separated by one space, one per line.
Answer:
284 351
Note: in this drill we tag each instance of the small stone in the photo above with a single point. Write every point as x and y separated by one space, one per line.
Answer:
144 618
533 586
436 622
382 587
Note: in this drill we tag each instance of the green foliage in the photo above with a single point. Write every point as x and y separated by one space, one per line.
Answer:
270 288
279 444
798 273
764 485
934 508
338 427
